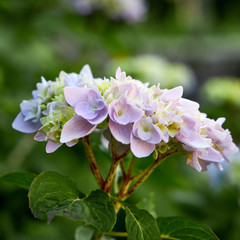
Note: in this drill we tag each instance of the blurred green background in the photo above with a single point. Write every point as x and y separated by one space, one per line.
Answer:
194 43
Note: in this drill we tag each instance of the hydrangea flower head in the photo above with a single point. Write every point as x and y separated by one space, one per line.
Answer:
144 119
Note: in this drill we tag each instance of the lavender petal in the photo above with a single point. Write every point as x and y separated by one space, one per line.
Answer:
25 126
75 128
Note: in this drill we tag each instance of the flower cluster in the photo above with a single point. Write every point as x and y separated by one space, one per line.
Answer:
144 119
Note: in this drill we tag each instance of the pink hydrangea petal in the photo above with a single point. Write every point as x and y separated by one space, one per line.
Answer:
195 162
189 105
73 95
120 75
194 140
129 112
188 126
75 128
153 135
25 126
124 87
210 154
173 94
230 149
116 106
221 120
150 108
118 72
121 132
134 113
123 119
143 134
216 135
134 93
136 126
40 136
141 148
156 135
72 143
52 146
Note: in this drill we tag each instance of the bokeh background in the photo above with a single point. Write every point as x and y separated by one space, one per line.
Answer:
193 43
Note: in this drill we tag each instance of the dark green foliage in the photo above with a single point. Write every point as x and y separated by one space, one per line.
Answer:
52 194
141 225
179 228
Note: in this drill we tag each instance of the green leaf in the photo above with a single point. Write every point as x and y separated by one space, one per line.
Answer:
141 225
179 228
52 194
20 179
48 190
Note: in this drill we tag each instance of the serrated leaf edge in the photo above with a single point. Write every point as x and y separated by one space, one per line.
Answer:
179 219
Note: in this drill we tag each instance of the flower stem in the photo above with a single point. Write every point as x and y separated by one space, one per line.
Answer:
92 161
109 180
117 234
146 174
130 169
139 174
126 183
115 161
127 178
123 169
168 237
